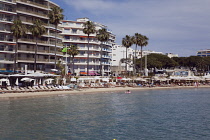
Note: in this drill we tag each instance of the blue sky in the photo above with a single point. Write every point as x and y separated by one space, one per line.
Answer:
172 26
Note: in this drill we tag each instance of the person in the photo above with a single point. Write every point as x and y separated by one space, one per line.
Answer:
128 91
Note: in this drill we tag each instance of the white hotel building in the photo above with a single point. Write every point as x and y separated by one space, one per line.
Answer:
27 11
72 32
119 53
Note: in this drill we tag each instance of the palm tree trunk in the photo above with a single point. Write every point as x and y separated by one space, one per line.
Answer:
35 56
101 61
126 60
15 56
55 45
141 58
73 64
88 56
135 61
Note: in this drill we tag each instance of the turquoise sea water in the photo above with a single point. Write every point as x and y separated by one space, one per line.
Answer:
173 114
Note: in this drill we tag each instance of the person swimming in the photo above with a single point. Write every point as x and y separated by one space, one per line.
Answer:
127 91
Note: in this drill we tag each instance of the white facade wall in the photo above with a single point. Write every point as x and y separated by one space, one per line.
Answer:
72 32
119 53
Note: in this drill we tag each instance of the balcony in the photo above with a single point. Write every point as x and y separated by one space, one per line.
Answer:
32 12
9 20
6 61
53 34
2 29
8 9
10 1
7 39
52 25
39 60
80 41
33 41
7 49
32 3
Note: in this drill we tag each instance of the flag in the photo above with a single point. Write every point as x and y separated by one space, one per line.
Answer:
64 49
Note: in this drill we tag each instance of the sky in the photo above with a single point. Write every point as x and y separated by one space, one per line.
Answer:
173 26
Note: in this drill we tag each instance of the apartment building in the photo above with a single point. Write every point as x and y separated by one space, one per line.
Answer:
72 32
203 53
118 54
27 11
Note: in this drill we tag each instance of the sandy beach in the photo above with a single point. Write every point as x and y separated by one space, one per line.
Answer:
8 96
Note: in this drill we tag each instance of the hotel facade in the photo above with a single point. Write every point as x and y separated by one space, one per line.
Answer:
27 11
203 53
99 55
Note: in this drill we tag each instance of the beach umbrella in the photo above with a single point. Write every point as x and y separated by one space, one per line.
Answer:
26 79
4 80
105 79
73 79
64 81
16 83
40 81
49 80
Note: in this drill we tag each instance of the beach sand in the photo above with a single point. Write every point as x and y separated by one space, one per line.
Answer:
8 96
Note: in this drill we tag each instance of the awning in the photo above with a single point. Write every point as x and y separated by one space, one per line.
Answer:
83 73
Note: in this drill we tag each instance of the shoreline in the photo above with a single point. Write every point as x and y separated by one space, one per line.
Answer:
9 96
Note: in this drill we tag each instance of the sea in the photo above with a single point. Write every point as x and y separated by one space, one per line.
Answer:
169 114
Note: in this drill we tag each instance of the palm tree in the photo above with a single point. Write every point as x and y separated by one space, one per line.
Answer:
73 51
139 40
55 16
37 30
89 28
144 42
18 30
102 36
127 42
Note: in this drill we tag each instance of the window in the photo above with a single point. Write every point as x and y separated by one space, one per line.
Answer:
74 30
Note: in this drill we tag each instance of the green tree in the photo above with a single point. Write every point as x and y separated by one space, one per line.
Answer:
127 42
102 36
18 30
158 61
139 40
55 16
37 30
181 61
73 51
89 28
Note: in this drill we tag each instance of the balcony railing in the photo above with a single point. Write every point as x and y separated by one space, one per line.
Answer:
40 41
7 9
33 3
7 39
4 29
6 49
10 0
6 59
32 12
52 25
6 19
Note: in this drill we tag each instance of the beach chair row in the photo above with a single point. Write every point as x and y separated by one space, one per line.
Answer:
33 89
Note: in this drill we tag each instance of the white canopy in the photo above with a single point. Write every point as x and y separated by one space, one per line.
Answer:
105 79
4 80
49 80
140 79
73 79
26 79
